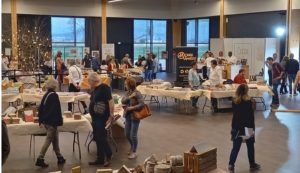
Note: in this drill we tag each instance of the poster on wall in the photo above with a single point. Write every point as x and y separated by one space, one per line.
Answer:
95 53
72 52
184 58
86 50
8 51
108 50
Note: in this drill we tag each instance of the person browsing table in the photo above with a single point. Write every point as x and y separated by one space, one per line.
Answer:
50 117
101 108
194 82
132 101
240 78
75 79
215 76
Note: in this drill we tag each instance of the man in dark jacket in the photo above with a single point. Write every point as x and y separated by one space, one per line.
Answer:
50 117
292 67
5 143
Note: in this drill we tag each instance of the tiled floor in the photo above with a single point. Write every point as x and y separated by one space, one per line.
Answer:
170 130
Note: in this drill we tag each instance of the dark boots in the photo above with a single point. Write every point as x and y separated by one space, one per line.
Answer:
41 162
61 160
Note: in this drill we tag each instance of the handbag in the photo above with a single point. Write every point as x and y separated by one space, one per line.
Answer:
142 113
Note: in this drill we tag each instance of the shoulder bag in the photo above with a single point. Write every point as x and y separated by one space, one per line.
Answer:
142 113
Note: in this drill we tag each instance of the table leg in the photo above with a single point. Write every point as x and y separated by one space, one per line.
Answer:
30 145
204 104
78 143
74 141
111 138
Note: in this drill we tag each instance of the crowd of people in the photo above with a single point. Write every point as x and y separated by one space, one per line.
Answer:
101 106
281 72
284 73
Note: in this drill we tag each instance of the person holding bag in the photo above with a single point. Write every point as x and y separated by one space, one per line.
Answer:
132 101
243 122
50 117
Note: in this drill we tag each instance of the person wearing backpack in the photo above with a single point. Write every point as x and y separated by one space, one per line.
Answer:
50 117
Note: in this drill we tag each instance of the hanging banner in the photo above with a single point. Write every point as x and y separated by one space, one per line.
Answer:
184 58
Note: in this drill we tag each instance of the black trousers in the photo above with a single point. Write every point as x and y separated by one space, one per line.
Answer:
100 136
270 77
72 88
236 148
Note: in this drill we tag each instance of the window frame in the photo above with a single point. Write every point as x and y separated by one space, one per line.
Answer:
151 43
197 43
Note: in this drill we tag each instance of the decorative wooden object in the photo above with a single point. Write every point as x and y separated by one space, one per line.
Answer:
201 158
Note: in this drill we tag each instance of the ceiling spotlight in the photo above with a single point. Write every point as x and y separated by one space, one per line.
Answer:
112 1
280 31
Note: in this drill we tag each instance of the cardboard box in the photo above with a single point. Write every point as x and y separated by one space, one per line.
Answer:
77 116
68 114
104 171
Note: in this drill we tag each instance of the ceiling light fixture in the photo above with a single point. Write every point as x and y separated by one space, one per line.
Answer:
112 1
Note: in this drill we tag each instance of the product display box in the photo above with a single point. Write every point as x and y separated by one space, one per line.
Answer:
201 158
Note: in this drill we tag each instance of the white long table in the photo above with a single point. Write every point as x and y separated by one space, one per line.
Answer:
185 94
69 125
64 97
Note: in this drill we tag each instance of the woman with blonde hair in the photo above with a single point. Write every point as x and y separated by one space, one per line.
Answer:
243 118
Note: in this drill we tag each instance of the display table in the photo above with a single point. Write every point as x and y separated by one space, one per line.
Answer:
11 97
255 91
69 125
64 97
85 84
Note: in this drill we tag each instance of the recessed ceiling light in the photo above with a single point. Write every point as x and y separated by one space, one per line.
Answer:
112 1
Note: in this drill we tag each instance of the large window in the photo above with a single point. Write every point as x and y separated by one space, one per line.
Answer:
197 34
150 36
68 33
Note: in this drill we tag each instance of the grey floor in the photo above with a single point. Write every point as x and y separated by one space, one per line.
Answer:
172 131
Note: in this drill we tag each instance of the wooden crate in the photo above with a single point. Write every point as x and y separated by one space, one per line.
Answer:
201 158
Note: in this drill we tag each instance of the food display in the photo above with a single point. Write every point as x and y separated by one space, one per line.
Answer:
77 116
68 114
11 120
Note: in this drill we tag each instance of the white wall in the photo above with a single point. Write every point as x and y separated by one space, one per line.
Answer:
6 6
252 6
295 33
159 9
56 7
296 4
165 9
188 9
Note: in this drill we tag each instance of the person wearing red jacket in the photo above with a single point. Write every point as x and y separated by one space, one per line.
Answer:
240 78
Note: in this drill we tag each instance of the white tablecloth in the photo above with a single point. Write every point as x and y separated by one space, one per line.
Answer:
64 97
186 93
70 125
6 98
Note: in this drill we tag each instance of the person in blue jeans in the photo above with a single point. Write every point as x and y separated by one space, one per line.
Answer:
277 74
194 81
132 101
292 67
148 67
